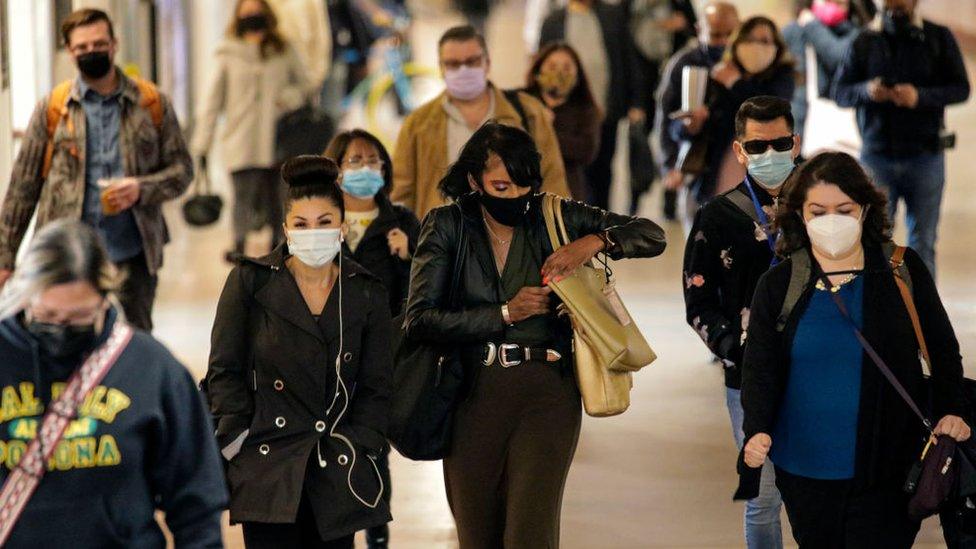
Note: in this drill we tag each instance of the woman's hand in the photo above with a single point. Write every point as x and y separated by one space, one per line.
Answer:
953 426
757 449
567 259
399 245
529 301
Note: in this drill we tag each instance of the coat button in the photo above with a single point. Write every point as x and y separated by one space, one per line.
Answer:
280 422
320 426
264 449
279 385
347 357
343 459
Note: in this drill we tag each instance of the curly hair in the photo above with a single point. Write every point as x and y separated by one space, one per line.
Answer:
834 168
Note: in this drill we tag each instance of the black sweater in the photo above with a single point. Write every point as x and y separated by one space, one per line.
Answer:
889 436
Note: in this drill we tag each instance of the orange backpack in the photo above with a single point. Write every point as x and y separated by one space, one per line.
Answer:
57 107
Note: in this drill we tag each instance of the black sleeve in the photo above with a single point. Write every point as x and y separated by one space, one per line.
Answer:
701 282
955 82
231 400
940 339
369 414
428 317
780 84
186 472
763 371
850 87
634 236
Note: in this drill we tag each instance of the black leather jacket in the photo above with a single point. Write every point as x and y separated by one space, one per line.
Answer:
480 318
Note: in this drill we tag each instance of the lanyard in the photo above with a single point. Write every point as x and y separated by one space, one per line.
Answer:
764 219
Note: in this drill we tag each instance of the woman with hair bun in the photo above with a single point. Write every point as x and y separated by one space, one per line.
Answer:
299 378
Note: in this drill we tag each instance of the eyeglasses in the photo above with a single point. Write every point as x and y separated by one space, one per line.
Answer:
357 163
759 146
454 64
73 318
100 45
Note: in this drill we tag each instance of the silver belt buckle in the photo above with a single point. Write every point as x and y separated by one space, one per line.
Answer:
501 355
491 355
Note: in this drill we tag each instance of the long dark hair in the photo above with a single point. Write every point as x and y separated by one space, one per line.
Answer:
513 145
835 168
582 94
273 42
312 176
340 144
783 57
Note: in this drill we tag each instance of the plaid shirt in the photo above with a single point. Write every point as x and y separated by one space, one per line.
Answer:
157 157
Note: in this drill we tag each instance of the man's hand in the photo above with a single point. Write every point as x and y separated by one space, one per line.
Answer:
674 180
696 120
878 92
905 96
635 115
124 193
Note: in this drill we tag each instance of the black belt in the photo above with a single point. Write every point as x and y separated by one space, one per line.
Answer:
513 354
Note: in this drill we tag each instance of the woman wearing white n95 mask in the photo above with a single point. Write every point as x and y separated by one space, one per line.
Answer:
839 435
295 332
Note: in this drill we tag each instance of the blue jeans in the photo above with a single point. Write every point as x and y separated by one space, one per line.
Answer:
762 525
919 181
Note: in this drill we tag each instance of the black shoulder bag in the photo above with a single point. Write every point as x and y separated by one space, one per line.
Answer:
428 380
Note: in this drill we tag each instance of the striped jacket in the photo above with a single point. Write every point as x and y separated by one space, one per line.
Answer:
158 157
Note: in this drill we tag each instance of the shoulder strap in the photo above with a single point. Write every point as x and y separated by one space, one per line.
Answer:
799 277
744 203
57 108
149 100
27 474
904 282
462 245
512 96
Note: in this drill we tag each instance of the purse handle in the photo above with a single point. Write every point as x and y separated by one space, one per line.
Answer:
552 211
875 357
201 180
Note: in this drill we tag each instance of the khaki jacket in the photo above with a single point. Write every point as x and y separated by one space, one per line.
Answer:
420 159
157 157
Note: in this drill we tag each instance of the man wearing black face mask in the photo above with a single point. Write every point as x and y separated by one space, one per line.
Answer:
900 75
105 149
716 26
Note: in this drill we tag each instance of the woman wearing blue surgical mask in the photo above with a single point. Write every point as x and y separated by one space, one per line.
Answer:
840 437
296 332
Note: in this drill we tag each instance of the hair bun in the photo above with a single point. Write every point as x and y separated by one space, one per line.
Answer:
309 169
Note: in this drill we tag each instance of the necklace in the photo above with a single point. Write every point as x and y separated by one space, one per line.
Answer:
493 235
836 287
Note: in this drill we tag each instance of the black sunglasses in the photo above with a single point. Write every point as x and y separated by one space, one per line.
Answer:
759 146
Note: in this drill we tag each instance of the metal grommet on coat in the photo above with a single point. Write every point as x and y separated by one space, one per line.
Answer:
264 449
343 459
280 422
347 357
279 385
320 426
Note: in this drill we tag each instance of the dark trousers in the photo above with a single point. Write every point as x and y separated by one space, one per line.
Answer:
137 292
301 533
833 514
514 441
258 195
599 174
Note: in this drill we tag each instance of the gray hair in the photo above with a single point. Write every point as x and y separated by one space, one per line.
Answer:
60 253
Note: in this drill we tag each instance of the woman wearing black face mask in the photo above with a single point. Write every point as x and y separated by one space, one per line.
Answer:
258 78
516 432
139 422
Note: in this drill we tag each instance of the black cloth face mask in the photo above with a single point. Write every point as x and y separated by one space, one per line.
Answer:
897 22
62 340
252 23
94 64
507 211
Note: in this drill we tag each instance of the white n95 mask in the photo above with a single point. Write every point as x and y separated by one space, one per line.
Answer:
834 234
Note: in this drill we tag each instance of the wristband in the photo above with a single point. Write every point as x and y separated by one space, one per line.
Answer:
506 316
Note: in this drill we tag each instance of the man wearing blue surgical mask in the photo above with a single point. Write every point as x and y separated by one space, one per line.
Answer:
730 247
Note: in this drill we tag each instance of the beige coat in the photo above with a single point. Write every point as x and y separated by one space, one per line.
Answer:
252 94
305 23
420 159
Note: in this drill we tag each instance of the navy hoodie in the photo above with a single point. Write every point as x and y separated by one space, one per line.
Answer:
142 441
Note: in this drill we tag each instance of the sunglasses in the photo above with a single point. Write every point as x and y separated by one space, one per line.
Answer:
759 146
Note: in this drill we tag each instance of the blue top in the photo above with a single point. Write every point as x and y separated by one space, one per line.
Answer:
103 159
816 431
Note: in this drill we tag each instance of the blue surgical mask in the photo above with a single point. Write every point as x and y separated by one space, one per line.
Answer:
362 183
771 168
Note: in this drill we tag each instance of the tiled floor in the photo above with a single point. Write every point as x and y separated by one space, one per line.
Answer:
662 474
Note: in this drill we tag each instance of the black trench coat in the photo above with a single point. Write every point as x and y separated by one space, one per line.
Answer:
273 373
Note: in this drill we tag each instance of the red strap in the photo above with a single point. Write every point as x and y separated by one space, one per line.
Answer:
24 478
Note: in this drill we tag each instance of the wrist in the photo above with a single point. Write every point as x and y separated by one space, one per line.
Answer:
506 314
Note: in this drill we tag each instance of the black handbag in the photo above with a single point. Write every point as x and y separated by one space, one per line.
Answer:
203 207
428 381
305 130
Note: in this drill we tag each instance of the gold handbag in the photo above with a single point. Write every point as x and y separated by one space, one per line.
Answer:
607 344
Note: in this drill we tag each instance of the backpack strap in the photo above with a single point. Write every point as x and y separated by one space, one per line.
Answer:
512 96
149 100
744 203
799 277
57 108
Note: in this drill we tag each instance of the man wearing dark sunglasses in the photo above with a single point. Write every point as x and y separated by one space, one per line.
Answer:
730 247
